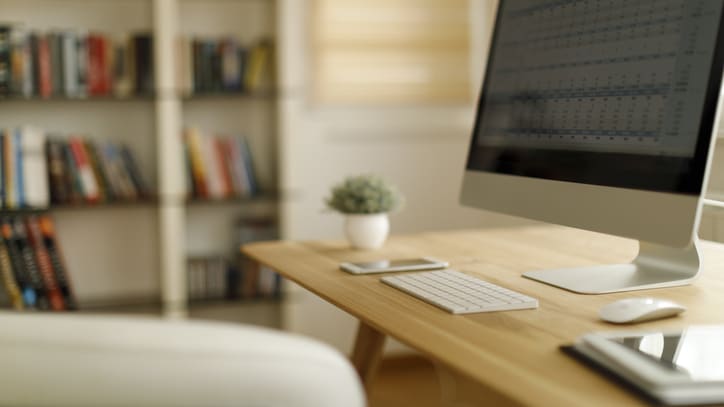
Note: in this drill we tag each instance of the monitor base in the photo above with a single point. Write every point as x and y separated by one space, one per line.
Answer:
655 267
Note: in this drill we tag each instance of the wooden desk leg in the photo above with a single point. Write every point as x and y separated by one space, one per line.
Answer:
367 352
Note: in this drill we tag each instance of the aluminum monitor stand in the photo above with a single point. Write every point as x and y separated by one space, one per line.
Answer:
655 266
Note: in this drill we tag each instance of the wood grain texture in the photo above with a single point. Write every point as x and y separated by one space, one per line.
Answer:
514 354
367 352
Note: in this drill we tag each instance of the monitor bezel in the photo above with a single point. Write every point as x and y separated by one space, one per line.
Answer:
632 171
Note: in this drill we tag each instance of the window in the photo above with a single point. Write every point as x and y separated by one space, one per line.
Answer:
391 51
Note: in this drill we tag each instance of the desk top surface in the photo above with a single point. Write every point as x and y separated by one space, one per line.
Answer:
514 353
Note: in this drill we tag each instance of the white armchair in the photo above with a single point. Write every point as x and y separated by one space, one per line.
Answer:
81 360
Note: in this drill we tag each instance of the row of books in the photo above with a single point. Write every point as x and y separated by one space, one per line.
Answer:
85 171
216 278
218 167
222 65
37 169
74 64
32 272
255 280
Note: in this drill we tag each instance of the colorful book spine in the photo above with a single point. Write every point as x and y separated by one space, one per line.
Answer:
9 169
30 263
134 173
76 190
69 46
143 70
99 75
249 165
198 173
213 176
81 52
57 173
19 169
8 277
223 168
87 177
21 64
44 264
33 180
2 169
47 229
5 61
105 192
45 76
21 274
55 49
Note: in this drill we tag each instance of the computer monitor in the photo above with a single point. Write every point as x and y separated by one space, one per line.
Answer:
599 114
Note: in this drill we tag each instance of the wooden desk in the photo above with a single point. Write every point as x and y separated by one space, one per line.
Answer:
512 356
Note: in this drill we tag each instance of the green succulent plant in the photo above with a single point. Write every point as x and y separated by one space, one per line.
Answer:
364 194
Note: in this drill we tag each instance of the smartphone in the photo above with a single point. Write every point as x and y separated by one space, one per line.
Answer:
386 266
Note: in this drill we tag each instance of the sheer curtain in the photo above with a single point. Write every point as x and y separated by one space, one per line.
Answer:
390 51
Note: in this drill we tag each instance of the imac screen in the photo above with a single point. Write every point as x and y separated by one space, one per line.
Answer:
609 92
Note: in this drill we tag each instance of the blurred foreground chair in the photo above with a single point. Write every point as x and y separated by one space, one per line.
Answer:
82 360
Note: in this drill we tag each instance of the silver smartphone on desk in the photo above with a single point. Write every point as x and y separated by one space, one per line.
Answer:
387 266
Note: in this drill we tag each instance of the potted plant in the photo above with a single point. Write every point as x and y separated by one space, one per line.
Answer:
366 201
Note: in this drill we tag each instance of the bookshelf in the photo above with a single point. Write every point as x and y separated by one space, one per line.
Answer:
133 254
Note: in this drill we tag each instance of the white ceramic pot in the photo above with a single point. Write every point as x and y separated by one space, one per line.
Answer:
367 231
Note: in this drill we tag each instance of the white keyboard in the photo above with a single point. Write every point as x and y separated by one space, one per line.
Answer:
458 292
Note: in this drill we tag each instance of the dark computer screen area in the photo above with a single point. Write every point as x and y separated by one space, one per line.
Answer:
603 92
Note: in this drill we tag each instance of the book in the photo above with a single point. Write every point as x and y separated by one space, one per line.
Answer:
108 162
214 180
194 141
231 65
18 169
223 167
105 193
47 230
37 245
257 72
44 70
134 173
58 173
248 165
55 50
34 181
673 367
27 254
21 64
98 76
143 58
22 276
70 61
81 52
88 181
76 186
239 169
126 188
123 80
7 275
8 164
5 61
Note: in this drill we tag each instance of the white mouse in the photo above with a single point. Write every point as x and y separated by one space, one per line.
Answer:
639 309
